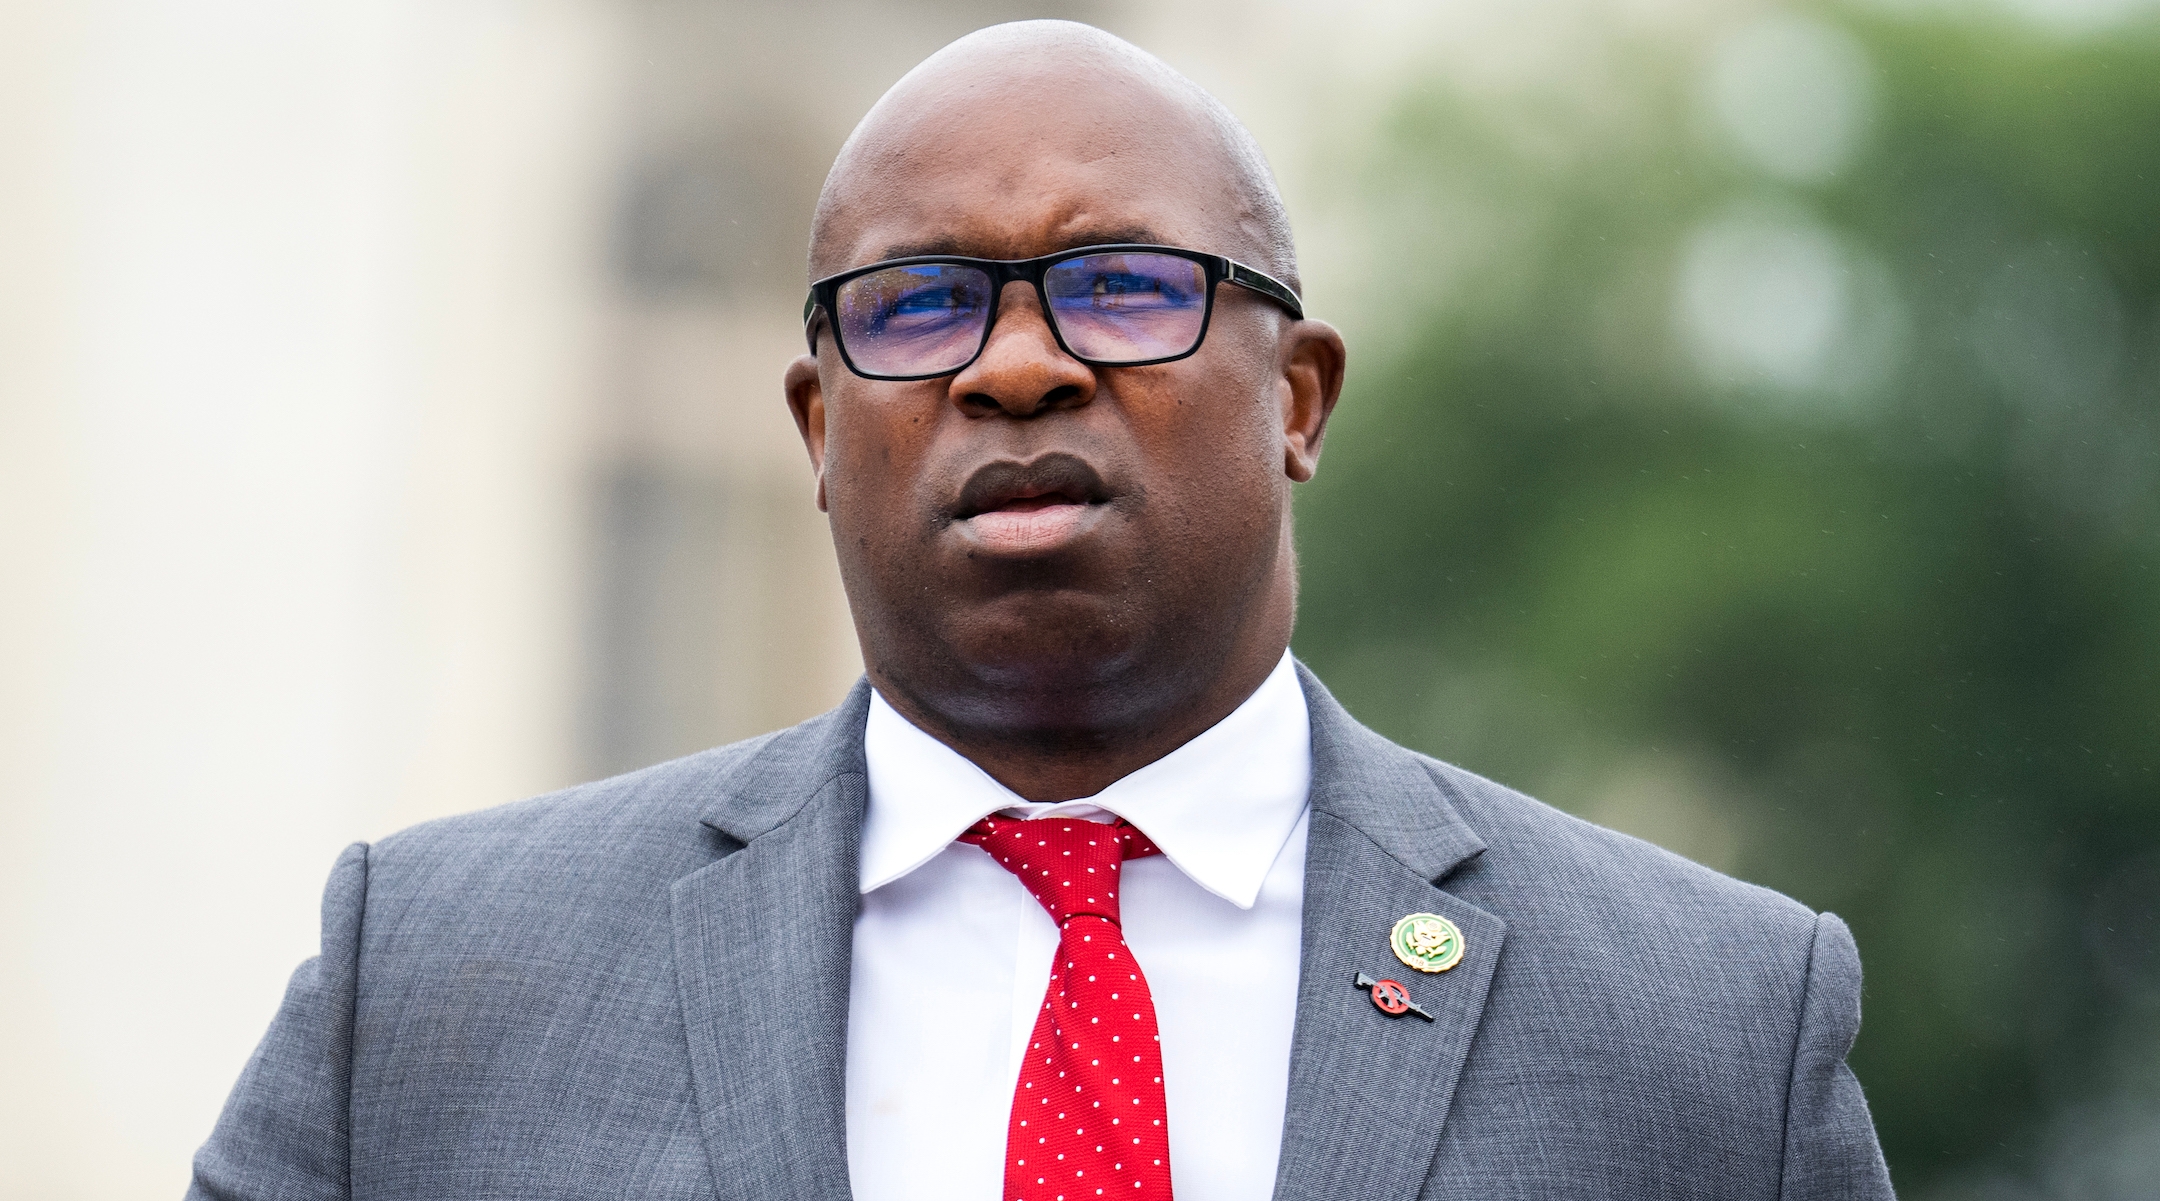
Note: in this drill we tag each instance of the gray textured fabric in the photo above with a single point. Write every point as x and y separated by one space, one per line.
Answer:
638 988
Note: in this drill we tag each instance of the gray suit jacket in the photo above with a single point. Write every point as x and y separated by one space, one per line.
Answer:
639 988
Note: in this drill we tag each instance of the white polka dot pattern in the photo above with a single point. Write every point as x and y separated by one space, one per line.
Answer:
1088 1114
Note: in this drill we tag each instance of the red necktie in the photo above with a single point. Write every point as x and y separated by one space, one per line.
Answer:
1088 1118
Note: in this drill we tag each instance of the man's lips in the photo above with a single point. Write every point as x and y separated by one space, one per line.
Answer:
1025 510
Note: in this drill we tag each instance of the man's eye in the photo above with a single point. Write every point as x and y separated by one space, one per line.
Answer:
929 300
1126 284
1127 288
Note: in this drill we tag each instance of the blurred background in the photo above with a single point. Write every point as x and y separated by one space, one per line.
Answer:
1750 444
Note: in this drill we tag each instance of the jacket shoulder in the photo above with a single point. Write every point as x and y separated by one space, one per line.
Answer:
611 846
619 816
604 852
1605 901
1634 986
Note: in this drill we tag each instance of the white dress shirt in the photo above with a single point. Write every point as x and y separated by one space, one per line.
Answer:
952 953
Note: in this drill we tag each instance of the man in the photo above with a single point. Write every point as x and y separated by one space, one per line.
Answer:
1088 890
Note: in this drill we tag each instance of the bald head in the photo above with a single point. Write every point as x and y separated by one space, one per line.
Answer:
1086 130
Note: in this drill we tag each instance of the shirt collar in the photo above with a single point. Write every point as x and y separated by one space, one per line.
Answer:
1220 807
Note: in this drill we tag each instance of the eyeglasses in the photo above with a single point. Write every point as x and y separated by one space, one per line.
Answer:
1108 306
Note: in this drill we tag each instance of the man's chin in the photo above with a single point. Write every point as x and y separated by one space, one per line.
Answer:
1053 651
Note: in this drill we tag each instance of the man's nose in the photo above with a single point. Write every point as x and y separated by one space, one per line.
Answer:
1022 370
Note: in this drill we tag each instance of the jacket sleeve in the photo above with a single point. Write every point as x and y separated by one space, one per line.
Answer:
286 1129
1830 1147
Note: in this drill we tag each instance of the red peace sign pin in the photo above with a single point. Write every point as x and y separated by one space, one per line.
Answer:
1390 997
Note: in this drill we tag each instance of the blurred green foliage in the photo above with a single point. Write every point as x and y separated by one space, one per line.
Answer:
1860 606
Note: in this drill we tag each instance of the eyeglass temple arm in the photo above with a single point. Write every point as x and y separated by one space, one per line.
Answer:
1261 282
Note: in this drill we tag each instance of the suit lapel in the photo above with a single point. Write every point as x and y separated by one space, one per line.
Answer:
1369 1093
763 942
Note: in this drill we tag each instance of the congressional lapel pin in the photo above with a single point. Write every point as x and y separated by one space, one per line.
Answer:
1390 997
1427 942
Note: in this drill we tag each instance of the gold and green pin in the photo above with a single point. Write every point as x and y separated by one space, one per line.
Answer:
1427 942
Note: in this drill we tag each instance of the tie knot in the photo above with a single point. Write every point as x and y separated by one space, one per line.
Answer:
1071 865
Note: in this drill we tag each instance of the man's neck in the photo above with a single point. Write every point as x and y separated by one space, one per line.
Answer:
1069 764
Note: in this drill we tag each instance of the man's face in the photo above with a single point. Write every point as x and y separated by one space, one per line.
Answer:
1032 541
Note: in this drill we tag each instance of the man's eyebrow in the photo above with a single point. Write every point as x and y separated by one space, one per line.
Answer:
909 250
1092 237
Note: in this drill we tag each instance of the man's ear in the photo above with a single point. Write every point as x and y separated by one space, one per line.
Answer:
1312 364
806 400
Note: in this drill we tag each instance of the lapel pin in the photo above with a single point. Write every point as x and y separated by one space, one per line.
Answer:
1427 942
1390 997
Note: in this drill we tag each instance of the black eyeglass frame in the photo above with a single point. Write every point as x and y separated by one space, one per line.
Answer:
824 294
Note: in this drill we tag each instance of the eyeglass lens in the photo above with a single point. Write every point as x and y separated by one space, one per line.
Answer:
929 318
